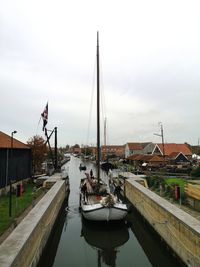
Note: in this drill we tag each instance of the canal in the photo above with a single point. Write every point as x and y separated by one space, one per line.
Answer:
75 242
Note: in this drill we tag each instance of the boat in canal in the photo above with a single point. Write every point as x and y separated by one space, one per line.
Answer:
96 202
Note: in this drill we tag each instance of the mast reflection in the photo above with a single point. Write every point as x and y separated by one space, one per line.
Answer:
106 239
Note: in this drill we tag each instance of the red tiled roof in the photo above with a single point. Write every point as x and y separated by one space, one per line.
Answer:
133 157
135 146
146 158
5 142
170 148
156 158
174 155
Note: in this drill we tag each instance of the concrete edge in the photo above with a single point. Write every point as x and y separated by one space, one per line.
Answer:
11 248
181 215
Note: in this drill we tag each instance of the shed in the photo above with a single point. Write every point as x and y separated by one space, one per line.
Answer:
15 161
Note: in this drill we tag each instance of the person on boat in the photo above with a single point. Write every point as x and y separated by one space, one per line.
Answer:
84 191
111 185
117 190
91 173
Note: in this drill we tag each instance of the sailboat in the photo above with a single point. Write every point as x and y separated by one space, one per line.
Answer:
96 203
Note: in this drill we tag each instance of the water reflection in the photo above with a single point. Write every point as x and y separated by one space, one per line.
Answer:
106 239
155 250
47 259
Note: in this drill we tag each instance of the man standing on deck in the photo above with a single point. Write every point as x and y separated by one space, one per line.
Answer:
91 173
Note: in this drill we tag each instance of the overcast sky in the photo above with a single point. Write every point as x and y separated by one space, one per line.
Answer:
150 68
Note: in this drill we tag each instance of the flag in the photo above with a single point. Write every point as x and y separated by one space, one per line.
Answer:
45 116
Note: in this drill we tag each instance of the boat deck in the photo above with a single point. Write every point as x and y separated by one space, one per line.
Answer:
93 199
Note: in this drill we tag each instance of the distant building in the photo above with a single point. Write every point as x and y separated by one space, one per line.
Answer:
113 151
15 164
169 149
76 149
151 161
155 156
178 158
138 148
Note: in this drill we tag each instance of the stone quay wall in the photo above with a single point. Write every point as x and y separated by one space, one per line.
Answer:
25 244
180 230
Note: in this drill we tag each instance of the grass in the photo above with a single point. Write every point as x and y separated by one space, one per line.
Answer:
176 181
19 204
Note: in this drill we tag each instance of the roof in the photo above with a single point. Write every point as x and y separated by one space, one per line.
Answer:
138 146
5 142
145 158
171 148
114 146
135 146
133 157
156 158
175 155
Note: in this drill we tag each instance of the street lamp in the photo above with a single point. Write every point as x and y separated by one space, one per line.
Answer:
11 159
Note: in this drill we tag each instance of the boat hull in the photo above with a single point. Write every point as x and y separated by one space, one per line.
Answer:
98 212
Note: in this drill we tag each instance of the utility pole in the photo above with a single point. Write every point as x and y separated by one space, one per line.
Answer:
105 149
10 178
56 150
162 136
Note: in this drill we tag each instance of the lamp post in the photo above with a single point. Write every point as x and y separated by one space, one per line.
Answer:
11 159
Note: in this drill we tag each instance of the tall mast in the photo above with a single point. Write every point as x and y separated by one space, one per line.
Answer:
98 112
105 152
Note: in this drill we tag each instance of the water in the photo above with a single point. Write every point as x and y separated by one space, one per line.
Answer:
76 242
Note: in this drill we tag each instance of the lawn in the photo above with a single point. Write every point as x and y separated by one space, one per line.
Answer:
19 204
176 181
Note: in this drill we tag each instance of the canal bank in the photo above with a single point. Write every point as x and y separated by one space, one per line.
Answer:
177 228
25 244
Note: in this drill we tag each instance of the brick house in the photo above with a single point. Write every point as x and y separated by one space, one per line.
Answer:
113 151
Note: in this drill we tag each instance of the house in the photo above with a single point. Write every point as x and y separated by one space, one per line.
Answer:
75 149
140 160
113 151
15 160
167 150
138 148
178 158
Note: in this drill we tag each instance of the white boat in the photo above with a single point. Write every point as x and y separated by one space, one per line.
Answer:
99 212
96 203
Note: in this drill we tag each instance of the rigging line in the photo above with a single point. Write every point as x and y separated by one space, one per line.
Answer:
38 126
107 132
91 103
103 102
104 107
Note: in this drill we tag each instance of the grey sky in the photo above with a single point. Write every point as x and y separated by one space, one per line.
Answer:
150 64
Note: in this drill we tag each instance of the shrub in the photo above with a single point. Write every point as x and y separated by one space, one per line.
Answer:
195 172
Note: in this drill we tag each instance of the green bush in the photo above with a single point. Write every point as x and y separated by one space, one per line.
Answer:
195 172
